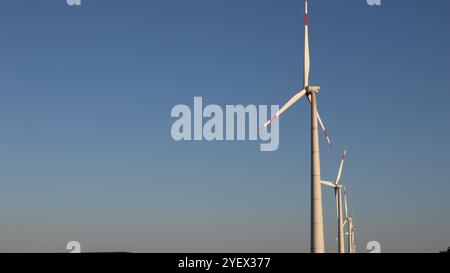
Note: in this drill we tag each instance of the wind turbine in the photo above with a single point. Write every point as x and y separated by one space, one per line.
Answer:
338 199
350 227
317 234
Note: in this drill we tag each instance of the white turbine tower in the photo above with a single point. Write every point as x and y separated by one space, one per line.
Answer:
317 235
337 186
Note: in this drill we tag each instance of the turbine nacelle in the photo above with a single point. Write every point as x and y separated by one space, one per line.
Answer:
312 88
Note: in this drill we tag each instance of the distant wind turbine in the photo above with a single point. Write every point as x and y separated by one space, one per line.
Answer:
350 227
337 186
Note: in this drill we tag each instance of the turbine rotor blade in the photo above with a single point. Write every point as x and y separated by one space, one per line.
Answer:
293 100
344 155
307 66
327 137
307 57
329 184
323 129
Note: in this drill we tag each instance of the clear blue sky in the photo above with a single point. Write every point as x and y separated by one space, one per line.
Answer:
86 152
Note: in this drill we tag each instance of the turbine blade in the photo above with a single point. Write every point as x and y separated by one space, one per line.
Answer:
329 184
327 137
293 100
323 129
307 65
307 60
344 155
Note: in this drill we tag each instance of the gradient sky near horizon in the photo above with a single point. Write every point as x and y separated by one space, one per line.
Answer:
86 152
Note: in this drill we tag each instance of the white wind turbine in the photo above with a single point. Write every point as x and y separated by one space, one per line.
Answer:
317 234
350 227
337 186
